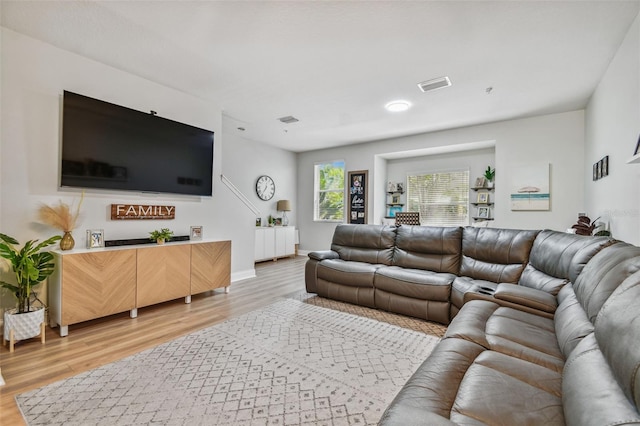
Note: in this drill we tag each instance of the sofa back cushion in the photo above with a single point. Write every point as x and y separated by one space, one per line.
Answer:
570 321
601 378
364 243
603 274
428 247
618 334
557 258
493 254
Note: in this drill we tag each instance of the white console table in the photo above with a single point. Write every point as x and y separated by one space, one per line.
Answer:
274 242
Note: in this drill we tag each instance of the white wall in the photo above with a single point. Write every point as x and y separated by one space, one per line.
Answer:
557 139
476 161
245 160
612 127
34 75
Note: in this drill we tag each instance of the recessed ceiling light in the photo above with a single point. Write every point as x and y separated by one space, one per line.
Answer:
436 83
398 106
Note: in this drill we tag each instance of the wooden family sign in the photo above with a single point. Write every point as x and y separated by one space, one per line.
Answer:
141 211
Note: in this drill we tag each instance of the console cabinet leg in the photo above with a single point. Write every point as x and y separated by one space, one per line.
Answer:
187 299
226 289
64 330
133 313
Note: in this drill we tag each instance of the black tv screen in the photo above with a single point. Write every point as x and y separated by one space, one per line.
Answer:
108 146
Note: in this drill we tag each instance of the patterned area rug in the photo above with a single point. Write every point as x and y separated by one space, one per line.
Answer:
290 363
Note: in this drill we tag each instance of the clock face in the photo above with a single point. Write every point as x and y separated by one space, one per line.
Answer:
265 188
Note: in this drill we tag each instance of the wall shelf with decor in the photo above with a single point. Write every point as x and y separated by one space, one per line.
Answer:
394 199
482 203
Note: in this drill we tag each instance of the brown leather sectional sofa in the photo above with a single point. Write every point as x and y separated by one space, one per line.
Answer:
545 326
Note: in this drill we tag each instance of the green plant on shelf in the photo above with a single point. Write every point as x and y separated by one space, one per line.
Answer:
490 174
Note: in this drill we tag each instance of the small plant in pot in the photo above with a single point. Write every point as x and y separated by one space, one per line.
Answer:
161 236
31 266
490 175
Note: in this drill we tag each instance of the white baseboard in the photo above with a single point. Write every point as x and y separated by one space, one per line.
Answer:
303 252
243 275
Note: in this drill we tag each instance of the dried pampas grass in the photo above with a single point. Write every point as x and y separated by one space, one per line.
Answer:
60 216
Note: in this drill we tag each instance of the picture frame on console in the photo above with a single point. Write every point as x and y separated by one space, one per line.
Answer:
196 233
95 238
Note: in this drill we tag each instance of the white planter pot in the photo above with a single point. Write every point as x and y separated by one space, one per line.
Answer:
24 326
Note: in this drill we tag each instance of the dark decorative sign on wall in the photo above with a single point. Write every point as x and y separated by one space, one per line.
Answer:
140 212
357 197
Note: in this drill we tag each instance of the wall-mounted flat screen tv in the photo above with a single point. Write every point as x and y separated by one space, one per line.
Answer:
108 146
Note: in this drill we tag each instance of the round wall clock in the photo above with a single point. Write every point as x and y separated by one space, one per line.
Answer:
265 188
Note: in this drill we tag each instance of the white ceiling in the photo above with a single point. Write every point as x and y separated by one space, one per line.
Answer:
334 65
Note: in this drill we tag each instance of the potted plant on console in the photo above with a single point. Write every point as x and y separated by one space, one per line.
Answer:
31 266
161 236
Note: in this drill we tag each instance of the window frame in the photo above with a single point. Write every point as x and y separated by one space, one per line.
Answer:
424 219
317 191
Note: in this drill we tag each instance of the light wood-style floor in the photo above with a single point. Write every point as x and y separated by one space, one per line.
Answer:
95 343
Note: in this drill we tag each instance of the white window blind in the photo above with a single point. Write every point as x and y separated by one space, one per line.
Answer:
441 198
329 191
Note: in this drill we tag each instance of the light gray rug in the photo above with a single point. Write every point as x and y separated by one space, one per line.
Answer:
290 363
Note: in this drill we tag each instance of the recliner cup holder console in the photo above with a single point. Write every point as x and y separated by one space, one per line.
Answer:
486 290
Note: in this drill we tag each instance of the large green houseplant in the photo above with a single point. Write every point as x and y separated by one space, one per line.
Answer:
30 265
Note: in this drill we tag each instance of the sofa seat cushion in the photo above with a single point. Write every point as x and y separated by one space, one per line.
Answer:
355 274
465 384
414 283
498 389
509 331
433 388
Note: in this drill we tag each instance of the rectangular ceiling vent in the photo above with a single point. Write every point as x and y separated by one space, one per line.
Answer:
288 119
436 83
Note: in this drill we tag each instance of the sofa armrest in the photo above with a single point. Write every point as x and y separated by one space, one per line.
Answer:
324 254
530 297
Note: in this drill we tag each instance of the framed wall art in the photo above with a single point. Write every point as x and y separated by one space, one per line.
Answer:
357 200
530 187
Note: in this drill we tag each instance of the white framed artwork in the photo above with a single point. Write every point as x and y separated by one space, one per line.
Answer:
530 187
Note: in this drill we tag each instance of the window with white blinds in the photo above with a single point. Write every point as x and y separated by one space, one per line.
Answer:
441 198
329 191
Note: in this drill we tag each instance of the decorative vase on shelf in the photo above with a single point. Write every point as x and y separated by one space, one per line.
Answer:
67 242
489 184
160 241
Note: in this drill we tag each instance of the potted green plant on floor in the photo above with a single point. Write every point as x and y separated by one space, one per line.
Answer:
31 266
161 236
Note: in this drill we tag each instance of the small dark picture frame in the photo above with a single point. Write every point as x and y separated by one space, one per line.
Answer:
605 166
637 151
595 171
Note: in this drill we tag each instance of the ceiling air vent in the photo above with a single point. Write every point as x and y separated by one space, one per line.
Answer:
288 119
434 84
